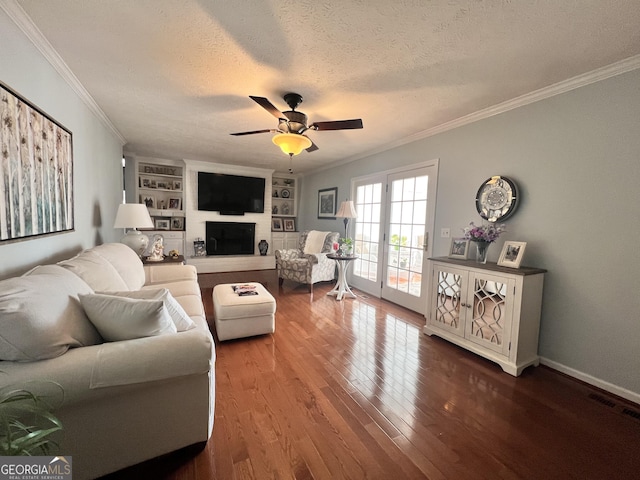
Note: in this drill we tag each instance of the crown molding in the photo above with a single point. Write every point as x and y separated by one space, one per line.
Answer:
33 33
618 68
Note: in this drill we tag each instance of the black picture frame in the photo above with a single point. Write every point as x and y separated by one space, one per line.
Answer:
327 200
37 171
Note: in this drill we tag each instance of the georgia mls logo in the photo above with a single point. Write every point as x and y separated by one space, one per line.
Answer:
35 468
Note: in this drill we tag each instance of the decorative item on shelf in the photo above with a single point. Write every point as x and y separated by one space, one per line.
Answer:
263 247
483 236
134 216
288 181
289 225
174 254
275 194
157 249
512 253
285 209
199 248
274 210
285 193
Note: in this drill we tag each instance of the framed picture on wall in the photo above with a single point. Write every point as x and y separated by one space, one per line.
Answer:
327 203
459 248
512 253
36 172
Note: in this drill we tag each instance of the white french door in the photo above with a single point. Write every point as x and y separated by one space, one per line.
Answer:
395 221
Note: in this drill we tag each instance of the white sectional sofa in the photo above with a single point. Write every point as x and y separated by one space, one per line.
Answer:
147 390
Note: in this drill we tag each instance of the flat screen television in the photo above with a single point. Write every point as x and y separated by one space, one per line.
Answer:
230 194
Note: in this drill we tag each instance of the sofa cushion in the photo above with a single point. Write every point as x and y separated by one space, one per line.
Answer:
41 316
179 317
97 271
121 318
125 261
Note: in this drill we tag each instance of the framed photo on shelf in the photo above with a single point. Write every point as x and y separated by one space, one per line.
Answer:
177 184
175 203
276 225
289 225
177 223
459 248
327 203
162 224
199 248
148 200
145 182
163 185
512 253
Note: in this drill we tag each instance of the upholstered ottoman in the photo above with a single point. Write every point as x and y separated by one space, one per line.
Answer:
238 316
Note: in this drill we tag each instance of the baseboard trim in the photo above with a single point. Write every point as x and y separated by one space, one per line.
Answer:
596 382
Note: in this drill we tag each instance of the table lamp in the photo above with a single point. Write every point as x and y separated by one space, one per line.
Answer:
134 216
347 211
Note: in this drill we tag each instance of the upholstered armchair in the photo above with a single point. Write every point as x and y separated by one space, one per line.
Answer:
308 263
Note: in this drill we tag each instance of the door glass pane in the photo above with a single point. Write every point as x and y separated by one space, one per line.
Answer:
406 234
368 206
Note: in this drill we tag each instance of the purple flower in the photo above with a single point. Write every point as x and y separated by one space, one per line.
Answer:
483 233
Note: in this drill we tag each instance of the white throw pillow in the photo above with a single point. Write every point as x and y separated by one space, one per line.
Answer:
41 316
120 318
180 318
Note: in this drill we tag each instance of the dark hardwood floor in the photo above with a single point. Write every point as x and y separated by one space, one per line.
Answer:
354 389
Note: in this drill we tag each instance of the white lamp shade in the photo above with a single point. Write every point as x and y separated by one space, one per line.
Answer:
133 215
347 210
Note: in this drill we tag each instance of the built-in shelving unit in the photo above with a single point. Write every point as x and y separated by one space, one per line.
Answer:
284 211
159 184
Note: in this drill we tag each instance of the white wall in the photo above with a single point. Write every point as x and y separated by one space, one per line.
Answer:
97 154
576 158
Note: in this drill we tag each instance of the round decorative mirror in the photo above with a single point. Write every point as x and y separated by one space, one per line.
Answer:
497 198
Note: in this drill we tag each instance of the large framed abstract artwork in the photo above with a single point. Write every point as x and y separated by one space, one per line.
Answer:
36 171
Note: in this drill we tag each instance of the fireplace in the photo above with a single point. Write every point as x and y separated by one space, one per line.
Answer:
231 238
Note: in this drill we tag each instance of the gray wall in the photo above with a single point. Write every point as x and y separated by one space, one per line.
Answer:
97 154
576 158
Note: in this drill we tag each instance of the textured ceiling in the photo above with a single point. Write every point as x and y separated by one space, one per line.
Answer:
174 76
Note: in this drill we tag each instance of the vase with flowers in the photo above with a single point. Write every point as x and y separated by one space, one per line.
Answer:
483 236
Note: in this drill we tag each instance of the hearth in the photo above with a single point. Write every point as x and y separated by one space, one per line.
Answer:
230 238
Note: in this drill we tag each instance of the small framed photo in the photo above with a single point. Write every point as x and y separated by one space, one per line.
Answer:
276 225
199 248
145 182
289 225
177 223
177 184
162 184
175 203
327 203
459 248
512 253
153 184
162 224
148 200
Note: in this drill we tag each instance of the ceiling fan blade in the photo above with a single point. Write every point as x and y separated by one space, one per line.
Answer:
253 132
268 106
312 148
338 125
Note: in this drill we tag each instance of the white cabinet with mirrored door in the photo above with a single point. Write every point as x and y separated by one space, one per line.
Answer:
490 310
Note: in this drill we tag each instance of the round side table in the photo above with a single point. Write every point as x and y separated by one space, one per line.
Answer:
342 288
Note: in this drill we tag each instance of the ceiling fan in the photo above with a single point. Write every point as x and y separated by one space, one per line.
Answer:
292 125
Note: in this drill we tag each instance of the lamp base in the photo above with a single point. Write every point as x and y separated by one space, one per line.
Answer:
135 240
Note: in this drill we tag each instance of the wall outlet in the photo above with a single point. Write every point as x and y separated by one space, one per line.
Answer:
445 232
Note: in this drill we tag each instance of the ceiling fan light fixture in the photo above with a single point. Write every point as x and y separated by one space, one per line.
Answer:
291 143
